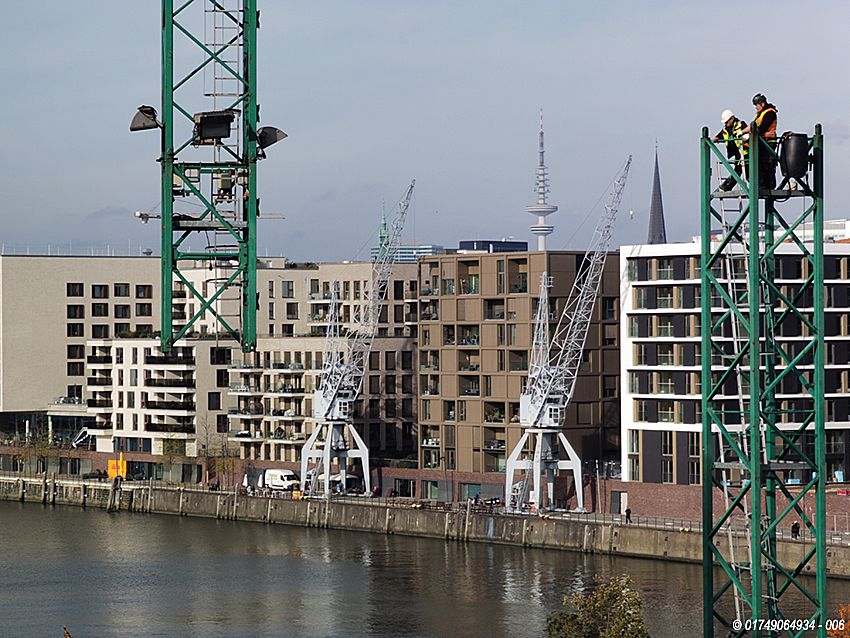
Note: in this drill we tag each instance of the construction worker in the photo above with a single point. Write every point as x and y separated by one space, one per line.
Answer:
765 124
736 149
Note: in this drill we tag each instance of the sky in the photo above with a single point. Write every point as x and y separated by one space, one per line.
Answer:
375 93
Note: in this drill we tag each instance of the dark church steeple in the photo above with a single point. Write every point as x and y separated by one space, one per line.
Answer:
657 232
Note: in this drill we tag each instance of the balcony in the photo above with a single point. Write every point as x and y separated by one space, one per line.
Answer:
283 388
430 316
434 442
169 383
171 405
243 388
171 428
99 358
169 360
427 291
99 403
494 444
99 381
245 364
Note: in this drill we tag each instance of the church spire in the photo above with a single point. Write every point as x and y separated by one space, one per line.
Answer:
657 232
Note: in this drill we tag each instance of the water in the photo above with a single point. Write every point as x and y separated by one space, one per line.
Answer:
154 575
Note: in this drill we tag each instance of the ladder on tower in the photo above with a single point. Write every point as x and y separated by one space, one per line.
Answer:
738 530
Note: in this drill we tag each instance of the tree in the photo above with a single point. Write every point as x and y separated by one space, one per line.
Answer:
611 610
843 630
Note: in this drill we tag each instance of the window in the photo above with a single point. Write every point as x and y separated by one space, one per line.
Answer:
664 298
374 384
609 334
634 387
694 444
75 330
134 377
144 309
100 331
271 309
694 477
131 399
469 490
666 470
100 291
665 383
634 441
389 360
214 401
121 329
292 311
640 298
664 268
511 334
426 410
667 443
664 327
76 369
100 310
665 412
122 290
76 312
76 352
389 383
122 311
287 330
221 378
144 291
633 327
430 490
406 360
633 270
665 354
640 411
634 469
609 307
74 290
640 354
609 386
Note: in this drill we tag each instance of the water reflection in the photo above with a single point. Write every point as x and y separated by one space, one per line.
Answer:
127 575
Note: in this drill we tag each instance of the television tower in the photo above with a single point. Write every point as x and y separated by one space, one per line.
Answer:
541 208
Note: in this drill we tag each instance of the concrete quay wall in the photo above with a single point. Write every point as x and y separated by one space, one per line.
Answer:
365 515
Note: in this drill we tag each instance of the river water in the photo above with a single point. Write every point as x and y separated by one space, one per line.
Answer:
116 575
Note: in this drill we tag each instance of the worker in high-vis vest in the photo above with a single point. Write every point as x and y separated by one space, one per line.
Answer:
765 124
732 134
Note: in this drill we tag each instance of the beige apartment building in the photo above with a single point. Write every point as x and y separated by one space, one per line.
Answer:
476 328
273 387
49 307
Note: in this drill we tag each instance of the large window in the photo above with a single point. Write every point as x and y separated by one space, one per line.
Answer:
100 291
666 470
287 289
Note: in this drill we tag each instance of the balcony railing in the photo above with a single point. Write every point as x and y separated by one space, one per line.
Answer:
471 340
99 358
495 314
170 383
174 428
171 405
519 289
153 359
99 403
430 316
242 387
100 381
427 291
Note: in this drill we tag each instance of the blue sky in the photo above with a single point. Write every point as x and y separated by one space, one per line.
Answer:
374 94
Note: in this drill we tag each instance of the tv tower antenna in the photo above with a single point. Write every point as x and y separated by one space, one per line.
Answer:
542 208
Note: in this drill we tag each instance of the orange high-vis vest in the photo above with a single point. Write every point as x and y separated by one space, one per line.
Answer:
771 132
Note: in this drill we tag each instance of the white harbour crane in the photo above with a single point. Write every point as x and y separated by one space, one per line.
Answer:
552 374
343 364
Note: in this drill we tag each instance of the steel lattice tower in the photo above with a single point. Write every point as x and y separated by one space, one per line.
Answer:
752 436
210 147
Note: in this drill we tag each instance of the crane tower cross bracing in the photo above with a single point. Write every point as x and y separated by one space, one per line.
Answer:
210 144
553 370
754 440
343 365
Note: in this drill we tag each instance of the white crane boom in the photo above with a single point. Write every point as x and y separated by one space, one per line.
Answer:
555 362
344 363
554 369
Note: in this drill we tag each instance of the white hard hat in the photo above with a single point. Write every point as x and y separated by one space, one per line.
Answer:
726 115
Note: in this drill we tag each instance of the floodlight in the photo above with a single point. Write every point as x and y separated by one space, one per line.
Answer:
145 119
214 125
268 135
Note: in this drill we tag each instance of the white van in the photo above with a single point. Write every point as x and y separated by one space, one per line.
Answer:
285 480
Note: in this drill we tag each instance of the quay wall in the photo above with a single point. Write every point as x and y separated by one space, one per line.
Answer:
409 519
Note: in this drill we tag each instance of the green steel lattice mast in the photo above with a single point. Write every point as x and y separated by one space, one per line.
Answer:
760 441
224 189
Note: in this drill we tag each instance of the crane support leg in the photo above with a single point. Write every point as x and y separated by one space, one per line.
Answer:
335 448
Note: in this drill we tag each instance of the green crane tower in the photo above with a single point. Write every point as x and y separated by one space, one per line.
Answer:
210 148
754 438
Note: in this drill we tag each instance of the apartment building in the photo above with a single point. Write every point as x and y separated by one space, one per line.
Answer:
661 365
156 404
273 387
49 307
476 328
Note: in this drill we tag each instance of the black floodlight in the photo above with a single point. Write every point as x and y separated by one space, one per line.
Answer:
145 119
214 125
268 135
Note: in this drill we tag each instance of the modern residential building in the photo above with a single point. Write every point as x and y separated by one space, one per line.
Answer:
661 357
49 307
273 387
476 326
